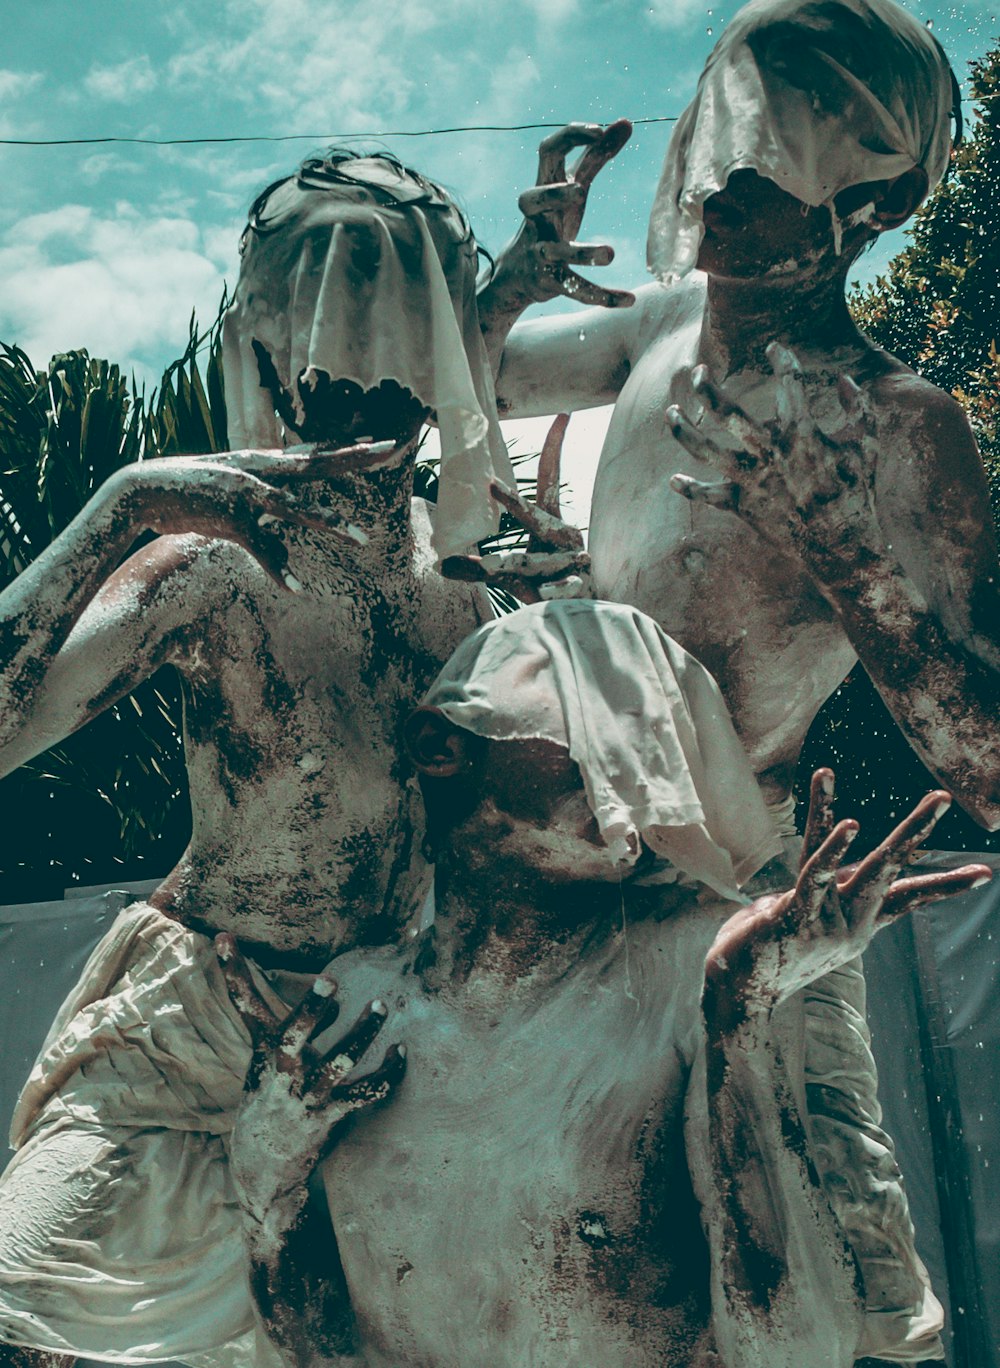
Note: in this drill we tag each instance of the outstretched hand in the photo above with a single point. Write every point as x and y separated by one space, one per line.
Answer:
554 564
808 493
296 1095
240 495
783 942
536 264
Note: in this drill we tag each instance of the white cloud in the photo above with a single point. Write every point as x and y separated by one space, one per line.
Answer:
121 82
122 286
674 14
14 84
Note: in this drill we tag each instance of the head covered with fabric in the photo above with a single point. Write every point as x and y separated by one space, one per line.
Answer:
364 271
815 95
643 720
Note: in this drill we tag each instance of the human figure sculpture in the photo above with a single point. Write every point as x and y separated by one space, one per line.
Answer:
836 506
598 1154
294 591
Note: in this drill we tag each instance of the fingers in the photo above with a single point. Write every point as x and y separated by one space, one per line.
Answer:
257 1016
285 506
545 528
819 872
549 467
501 566
600 151
574 287
376 1086
317 1010
338 1062
703 447
819 822
552 199
553 150
723 494
906 895
871 880
575 253
851 399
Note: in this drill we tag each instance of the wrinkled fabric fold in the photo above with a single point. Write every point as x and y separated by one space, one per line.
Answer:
816 98
340 283
643 720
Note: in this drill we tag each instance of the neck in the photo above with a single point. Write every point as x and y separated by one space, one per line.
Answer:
743 317
524 934
379 503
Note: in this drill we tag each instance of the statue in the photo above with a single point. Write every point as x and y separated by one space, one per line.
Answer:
836 507
603 1057
295 592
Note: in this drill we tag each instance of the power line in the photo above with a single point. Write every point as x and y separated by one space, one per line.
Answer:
304 137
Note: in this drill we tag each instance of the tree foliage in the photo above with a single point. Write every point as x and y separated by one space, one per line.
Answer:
114 795
937 309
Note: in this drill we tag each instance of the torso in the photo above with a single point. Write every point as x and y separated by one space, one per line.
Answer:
304 807
525 1198
751 616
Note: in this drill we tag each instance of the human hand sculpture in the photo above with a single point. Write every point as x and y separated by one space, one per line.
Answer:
535 265
239 495
554 563
809 494
296 1095
782 942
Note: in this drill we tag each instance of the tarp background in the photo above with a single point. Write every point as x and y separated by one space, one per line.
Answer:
934 1011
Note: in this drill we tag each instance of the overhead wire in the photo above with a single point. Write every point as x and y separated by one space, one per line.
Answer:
305 137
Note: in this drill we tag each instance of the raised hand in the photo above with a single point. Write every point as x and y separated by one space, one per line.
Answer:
536 264
295 1095
554 563
782 942
239 495
808 493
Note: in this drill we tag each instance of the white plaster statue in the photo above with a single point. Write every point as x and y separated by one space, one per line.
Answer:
590 1160
836 504
295 593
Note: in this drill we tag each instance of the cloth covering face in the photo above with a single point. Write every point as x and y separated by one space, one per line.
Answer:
643 720
371 277
815 96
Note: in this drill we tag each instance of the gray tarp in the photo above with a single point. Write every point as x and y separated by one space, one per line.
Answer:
934 1009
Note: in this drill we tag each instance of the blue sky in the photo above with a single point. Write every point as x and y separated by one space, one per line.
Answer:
110 247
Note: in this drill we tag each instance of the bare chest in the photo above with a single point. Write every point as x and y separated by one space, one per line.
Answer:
525 1198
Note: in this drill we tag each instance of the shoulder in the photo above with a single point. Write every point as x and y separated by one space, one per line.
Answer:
185 575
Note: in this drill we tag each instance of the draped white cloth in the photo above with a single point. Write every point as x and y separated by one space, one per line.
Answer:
815 97
367 279
643 720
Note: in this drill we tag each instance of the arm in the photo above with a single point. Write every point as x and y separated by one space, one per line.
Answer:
785 1290
535 264
78 629
916 591
294 1098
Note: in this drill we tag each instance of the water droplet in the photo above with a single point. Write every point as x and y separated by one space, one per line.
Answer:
709 30
583 335
930 23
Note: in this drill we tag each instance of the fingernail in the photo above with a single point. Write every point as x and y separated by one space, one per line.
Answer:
851 833
356 534
674 416
291 583
378 1008
981 881
826 783
401 1051
266 519
224 948
325 987
942 807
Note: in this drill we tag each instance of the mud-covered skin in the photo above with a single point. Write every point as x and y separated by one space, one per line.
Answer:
913 594
302 807
761 1193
